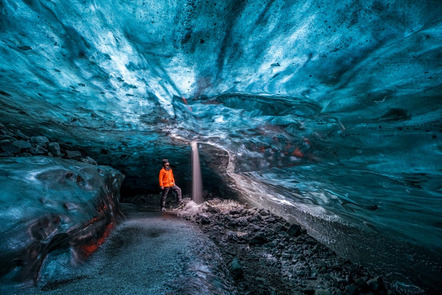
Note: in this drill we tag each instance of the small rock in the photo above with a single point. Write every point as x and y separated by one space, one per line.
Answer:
300 273
37 150
213 210
73 154
89 160
310 241
294 230
327 276
40 140
322 264
21 144
25 47
251 211
205 220
375 284
313 275
232 223
234 211
283 234
308 291
259 239
253 227
270 219
54 148
20 135
278 227
322 292
7 146
286 255
241 234
242 221
360 282
236 269
351 290
254 219
71 206
7 132
336 266
271 244
264 212
5 136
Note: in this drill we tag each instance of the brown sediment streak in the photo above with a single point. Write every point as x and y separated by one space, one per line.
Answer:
89 248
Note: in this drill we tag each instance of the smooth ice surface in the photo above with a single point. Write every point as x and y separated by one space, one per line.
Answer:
50 205
150 253
334 107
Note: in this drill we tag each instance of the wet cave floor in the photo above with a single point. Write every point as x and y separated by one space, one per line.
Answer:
218 247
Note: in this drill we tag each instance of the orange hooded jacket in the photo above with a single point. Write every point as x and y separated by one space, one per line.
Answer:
166 178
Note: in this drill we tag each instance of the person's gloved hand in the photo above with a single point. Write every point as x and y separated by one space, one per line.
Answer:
162 187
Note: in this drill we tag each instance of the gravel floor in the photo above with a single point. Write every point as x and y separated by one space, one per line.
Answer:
149 253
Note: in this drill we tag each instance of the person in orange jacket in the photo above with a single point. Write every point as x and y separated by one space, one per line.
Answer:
167 182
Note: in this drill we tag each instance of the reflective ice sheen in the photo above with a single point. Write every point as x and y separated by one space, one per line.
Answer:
52 205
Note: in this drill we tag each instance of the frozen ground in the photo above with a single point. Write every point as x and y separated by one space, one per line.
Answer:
150 253
229 248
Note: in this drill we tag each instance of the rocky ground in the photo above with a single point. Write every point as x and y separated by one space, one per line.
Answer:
264 253
14 143
150 253
267 255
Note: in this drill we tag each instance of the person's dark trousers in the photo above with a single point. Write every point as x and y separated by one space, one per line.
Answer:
165 191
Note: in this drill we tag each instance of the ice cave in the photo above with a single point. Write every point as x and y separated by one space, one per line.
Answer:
313 126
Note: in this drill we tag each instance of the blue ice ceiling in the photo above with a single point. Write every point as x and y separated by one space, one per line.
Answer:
335 105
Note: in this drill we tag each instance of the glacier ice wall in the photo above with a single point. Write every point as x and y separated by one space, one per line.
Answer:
51 206
333 105
110 74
